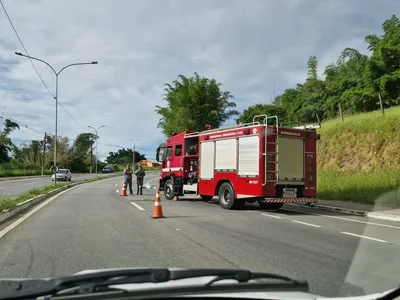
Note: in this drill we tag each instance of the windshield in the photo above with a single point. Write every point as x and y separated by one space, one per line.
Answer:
261 135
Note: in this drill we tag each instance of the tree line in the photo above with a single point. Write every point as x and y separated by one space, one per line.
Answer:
79 155
355 82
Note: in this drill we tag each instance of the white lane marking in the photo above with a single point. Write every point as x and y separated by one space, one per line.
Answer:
137 206
116 184
304 223
364 237
152 180
117 191
351 220
272 216
24 217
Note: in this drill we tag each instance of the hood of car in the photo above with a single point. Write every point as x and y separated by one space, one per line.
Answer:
60 174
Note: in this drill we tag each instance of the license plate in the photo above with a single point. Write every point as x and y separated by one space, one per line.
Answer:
289 193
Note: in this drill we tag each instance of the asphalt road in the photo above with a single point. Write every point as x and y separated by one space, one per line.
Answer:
91 226
11 188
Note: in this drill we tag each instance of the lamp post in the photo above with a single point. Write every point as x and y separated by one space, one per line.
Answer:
56 98
97 136
134 151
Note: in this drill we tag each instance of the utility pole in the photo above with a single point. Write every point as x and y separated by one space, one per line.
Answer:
134 152
134 156
97 137
91 155
44 152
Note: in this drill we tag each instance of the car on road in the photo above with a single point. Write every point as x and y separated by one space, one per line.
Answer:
107 169
62 175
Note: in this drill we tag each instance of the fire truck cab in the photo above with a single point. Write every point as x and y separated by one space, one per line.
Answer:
244 163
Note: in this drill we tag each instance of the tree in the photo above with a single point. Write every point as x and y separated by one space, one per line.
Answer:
124 156
82 158
383 68
6 144
312 68
30 154
193 102
354 81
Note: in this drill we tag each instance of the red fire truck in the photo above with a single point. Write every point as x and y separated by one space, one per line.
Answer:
245 163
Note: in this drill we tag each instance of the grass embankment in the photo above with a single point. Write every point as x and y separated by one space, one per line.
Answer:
151 168
7 203
22 172
359 159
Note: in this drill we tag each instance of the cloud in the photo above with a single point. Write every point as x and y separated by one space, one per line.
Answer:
248 46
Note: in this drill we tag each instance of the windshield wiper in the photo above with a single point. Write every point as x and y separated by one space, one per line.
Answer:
102 280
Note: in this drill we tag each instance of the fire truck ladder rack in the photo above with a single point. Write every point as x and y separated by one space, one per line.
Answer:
308 127
193 134
266 152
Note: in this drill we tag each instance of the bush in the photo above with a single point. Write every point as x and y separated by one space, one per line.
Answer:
12 169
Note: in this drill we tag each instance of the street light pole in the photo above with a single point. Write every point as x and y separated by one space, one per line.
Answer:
97 136
56 132
56 98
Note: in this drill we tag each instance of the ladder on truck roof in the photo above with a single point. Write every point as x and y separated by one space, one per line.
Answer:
267 153
193 134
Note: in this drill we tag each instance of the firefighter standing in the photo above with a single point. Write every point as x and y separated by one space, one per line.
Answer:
139 180
128 177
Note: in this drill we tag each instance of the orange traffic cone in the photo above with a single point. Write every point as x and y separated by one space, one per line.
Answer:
157 211
123 190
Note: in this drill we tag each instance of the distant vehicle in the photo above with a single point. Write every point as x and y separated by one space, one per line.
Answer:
63 174
107 169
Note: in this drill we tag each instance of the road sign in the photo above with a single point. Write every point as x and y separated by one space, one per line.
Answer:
54 169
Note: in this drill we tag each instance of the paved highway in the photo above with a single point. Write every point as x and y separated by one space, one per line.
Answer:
91 226
11 188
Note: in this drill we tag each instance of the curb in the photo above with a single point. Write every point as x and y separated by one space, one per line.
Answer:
5 215
386 217
354 212
28 203
10 178
21 177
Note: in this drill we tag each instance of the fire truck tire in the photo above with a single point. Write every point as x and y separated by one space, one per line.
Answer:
169 189
226 196
270 206
206 198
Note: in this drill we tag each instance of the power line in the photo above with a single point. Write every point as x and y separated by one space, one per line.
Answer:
70 115
111 145
2 113
26 51
20 124
33 65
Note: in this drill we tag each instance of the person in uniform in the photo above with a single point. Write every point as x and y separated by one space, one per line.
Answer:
140 173
128 177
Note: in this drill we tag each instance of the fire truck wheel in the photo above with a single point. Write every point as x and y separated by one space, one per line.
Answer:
169 189
226 196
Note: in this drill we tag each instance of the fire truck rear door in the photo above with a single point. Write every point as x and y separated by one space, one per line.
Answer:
290 159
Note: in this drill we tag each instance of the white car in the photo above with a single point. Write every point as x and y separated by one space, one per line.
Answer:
62 175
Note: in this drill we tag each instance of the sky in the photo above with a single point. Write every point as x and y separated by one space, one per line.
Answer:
254 48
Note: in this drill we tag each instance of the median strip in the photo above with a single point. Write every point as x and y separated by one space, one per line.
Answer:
9 206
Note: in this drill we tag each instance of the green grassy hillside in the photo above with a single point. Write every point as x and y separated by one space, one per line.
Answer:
359 159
